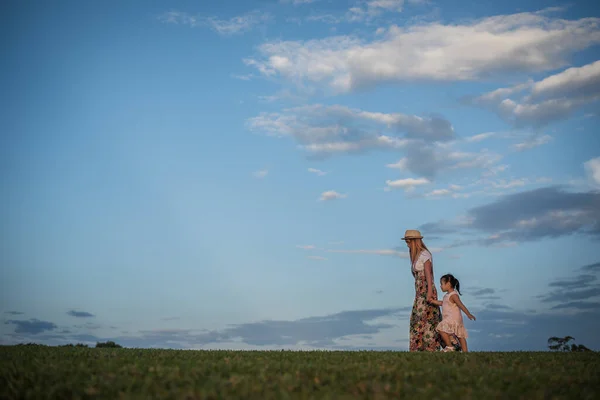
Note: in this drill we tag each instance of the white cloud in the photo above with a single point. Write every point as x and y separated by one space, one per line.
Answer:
331 195
261 173
503 184
592 169
439 192
234 25
427 159
367 11
246 77
306 247
553 98
532 142
372 9
297 2
407 184
495 170
317 171
381 252
451 190
523 42
574 81
326 130
481 136
401 164
389 5
320 258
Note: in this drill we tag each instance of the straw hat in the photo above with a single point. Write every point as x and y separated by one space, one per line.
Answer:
412 234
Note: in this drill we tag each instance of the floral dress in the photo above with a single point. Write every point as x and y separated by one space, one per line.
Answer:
425 317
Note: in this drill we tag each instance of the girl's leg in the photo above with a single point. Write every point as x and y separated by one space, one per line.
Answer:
463 344
446 339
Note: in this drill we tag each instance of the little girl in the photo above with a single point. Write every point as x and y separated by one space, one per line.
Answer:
452 321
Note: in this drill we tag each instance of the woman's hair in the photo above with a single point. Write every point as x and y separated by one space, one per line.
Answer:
454 283
416 249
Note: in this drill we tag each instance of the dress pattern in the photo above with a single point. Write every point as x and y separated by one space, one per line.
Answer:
452 320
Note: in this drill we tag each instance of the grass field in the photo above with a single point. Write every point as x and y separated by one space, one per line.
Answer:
28 372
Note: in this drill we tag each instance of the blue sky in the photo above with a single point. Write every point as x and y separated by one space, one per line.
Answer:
239 174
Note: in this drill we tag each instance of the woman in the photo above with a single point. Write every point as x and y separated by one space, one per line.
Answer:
425 316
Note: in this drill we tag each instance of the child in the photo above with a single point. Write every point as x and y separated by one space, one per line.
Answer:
452 321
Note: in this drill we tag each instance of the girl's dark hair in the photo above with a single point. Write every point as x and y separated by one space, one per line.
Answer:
453 282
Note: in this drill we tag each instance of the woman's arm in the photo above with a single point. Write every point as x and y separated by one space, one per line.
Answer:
429 279
459 303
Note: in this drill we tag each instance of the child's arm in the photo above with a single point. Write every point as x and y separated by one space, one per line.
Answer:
459 303
436 302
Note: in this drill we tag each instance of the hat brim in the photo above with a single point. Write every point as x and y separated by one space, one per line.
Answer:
412 237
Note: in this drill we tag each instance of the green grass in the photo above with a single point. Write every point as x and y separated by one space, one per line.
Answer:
28 372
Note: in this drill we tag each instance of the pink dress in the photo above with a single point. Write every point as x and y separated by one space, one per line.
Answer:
452 320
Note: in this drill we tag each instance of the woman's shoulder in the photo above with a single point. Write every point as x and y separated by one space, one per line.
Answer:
425 254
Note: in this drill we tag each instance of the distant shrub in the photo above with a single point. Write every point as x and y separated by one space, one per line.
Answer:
562 344
31 344
109 344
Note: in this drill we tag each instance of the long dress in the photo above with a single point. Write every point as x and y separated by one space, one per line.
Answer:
425 317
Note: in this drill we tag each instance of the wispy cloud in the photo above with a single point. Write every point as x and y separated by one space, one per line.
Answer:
428 159
260 173
297 2
407 184
317 171
575 293
80 314
339 129
380 252
373 8
331 195
324 131
306 247
367 11
453 191
480 137
225 27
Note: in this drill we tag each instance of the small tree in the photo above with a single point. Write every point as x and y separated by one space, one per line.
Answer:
562 344
579 347
109 344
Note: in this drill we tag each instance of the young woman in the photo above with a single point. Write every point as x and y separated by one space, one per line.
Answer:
425 316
